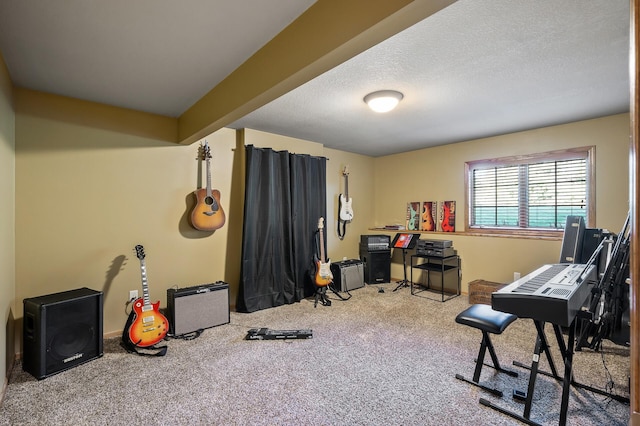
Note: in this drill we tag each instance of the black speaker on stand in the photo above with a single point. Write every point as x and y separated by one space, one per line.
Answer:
61 331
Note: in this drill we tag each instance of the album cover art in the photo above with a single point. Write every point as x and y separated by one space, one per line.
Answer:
413 216
428 215
448 216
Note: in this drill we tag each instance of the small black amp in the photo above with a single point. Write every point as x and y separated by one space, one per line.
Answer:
374 242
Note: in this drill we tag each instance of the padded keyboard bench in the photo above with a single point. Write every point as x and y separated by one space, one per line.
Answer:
489 321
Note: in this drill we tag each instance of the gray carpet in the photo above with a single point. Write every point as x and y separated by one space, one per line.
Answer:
377 359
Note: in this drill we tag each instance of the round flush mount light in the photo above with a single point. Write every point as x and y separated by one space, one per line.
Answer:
383 100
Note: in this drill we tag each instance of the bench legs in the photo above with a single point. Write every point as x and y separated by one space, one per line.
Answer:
486 344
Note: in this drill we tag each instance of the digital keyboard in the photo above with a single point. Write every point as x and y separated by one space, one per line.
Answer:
552 293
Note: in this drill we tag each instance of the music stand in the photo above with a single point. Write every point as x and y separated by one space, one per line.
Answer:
404 241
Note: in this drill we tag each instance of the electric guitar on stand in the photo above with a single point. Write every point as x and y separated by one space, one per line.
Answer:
207 215
149 326
323 275
345 209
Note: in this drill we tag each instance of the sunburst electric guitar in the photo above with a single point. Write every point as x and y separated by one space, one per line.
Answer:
346 211
207 215
323 275
149 326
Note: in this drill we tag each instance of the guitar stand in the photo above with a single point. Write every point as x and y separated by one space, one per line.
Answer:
405 282
321 295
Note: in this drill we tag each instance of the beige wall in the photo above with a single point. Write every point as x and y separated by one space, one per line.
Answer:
7 230
438 174
87 194
90 187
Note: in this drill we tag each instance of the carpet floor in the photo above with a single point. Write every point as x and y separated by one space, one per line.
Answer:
379 358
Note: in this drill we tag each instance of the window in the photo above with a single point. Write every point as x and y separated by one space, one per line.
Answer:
530 194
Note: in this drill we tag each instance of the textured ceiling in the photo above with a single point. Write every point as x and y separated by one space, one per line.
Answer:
477 68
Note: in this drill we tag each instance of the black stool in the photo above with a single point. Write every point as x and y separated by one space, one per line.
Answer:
484 318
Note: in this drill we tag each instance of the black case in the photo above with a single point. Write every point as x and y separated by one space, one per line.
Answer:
348 274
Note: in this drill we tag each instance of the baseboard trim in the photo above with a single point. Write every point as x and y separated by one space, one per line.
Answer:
5 384
112 334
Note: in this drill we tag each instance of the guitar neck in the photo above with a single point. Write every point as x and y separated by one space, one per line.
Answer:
322 258
346 186
208 178
145 287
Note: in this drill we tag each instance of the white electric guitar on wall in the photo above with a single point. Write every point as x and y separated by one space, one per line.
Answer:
346 211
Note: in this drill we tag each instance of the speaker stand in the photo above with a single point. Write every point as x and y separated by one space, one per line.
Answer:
404 282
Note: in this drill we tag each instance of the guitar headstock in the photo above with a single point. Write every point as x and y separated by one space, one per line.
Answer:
140 252
205 151
321 223
345 172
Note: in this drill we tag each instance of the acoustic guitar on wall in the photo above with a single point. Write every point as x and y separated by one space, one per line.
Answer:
149 326
323 275
207 215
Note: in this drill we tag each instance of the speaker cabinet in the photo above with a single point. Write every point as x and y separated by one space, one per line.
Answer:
348 274
590 241
571 250
61 331
377 266
196 308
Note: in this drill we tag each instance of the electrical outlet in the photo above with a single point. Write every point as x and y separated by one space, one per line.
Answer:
133 295
516 276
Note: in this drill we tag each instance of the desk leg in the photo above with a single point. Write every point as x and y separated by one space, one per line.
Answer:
411 276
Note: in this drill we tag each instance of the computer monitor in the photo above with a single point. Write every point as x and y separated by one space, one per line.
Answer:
405 241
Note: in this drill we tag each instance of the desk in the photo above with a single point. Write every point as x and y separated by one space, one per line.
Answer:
445 266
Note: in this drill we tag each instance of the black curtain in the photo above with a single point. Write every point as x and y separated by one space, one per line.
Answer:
284 199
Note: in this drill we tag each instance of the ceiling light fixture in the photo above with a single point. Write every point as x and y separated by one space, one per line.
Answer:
383 100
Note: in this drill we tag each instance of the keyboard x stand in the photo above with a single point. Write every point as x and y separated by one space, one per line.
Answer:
567 351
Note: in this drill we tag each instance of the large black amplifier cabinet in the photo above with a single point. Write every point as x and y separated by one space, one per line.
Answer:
377 266
196 308
61 331
348 274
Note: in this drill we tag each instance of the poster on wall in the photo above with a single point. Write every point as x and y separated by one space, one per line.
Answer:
413 216
428 215
448 216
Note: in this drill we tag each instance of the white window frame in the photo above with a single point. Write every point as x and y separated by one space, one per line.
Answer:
587 153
